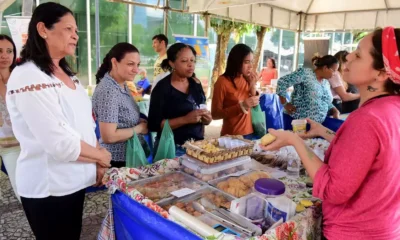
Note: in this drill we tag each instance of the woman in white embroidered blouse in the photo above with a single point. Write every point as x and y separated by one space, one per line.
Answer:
9 146
51 116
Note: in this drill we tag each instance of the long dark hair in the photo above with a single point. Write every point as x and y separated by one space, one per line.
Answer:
35 49
325 61
118 52
235 61
7 38
273 62
341 57
377 55
172 54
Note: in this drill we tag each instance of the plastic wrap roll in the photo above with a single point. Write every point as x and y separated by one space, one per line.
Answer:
192 222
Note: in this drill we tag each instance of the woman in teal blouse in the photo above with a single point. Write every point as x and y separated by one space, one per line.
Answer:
311 97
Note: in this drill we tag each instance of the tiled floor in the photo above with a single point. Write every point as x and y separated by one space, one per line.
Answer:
14 225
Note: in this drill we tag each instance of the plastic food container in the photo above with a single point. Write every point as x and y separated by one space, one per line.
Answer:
217 150
206 172
269 188
267 205
159 188
239 185
213 195
299 126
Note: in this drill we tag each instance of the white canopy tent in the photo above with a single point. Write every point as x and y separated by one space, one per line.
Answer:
295 15
305 15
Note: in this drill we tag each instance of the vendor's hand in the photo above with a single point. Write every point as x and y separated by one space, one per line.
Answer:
315 130
283 139
100 171
195 116
335 113
141 128
251 102
206 118
290 108
105 158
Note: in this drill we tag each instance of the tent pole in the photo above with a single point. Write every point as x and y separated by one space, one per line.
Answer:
195 17
166 7
97 33
297 45
279 52
89 43
130 20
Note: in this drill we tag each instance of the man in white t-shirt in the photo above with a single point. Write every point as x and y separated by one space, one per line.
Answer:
160 43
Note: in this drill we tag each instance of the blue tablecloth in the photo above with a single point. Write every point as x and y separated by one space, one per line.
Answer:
330 123
273 109
274 114
133 220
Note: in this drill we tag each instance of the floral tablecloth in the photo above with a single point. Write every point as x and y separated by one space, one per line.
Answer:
305 225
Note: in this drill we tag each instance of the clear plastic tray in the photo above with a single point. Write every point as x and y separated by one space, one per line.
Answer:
206 172
240 185
215 196
159 188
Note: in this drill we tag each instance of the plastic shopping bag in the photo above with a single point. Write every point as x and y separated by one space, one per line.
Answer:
258 121
166 145
135 156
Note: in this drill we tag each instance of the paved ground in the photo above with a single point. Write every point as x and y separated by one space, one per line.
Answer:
14 225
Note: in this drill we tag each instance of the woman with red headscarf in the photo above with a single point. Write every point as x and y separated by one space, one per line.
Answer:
359 179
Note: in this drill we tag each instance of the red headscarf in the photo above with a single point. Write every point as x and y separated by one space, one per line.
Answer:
391 54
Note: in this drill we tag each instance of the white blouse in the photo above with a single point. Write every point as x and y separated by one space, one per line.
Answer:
49 120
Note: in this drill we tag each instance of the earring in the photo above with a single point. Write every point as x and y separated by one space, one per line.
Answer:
371 89
45 36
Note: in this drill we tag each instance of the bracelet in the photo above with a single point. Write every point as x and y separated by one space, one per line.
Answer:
243 108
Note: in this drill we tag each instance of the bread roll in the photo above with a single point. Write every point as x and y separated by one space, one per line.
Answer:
267 139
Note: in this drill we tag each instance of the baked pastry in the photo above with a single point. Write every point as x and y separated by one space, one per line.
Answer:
267 139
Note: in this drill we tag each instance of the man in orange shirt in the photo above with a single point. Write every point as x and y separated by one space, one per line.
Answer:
235 93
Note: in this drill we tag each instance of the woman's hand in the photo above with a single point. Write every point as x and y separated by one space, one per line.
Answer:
194 116
105 158
141 128
315 130
252 78
283 139
290 108
335 113
251 102
206 118
100 171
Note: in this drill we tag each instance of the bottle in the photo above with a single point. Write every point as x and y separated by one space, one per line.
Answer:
293 168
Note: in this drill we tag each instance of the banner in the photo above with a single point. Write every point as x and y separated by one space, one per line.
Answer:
200 44
19 30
